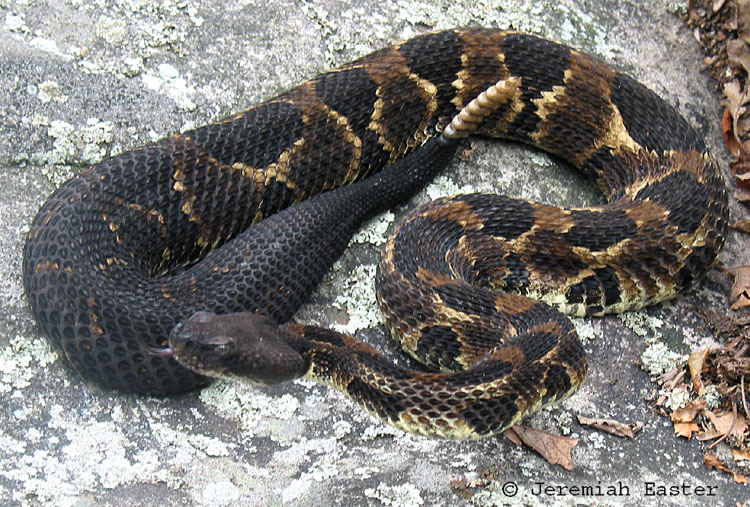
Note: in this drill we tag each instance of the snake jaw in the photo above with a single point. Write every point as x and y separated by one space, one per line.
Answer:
244 346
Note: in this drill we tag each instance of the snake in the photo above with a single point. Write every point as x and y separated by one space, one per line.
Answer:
185 259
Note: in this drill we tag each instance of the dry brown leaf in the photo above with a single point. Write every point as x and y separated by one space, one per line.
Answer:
741 288
465 488
684 418
742 225
741 454
686 429
741 167
466 153
709 434
733 144
711 461
743 18
688 413
695 365
611 426
556 449
513 437
738 54
723 422
735 102
735 98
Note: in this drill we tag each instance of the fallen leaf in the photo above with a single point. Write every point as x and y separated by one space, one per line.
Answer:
611 426
689 411
738 54
741 171
735 102
712 461
466 153
709 434
741 287
673 377
741 454
513 437
686 429
743 18
741 167
723 422
465 488
695 365
556 449
742 225
727 130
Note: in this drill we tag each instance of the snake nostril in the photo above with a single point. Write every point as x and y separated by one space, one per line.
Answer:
202 317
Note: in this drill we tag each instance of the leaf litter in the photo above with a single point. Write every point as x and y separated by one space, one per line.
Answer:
717 379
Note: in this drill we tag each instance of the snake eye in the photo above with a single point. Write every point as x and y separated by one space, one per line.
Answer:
221 345
222 350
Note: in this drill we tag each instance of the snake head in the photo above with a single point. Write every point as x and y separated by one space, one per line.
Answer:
244 346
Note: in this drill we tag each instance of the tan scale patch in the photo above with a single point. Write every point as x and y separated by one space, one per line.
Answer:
433 279
387 255
585 73
508 303
510 354
384 75
467 84
46 266
312 106
552 218
615 136
457 211
694 162
598 77
448 314
188 198
279 170
166 294
644 212
116 261
670 162
550 102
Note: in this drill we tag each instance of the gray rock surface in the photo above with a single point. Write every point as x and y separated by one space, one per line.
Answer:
80 80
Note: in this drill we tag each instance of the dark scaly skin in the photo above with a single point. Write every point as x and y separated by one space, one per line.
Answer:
112 259
270 269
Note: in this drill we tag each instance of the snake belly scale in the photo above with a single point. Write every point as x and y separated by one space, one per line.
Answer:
213 238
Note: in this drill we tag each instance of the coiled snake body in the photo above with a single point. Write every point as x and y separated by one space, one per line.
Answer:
158 239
